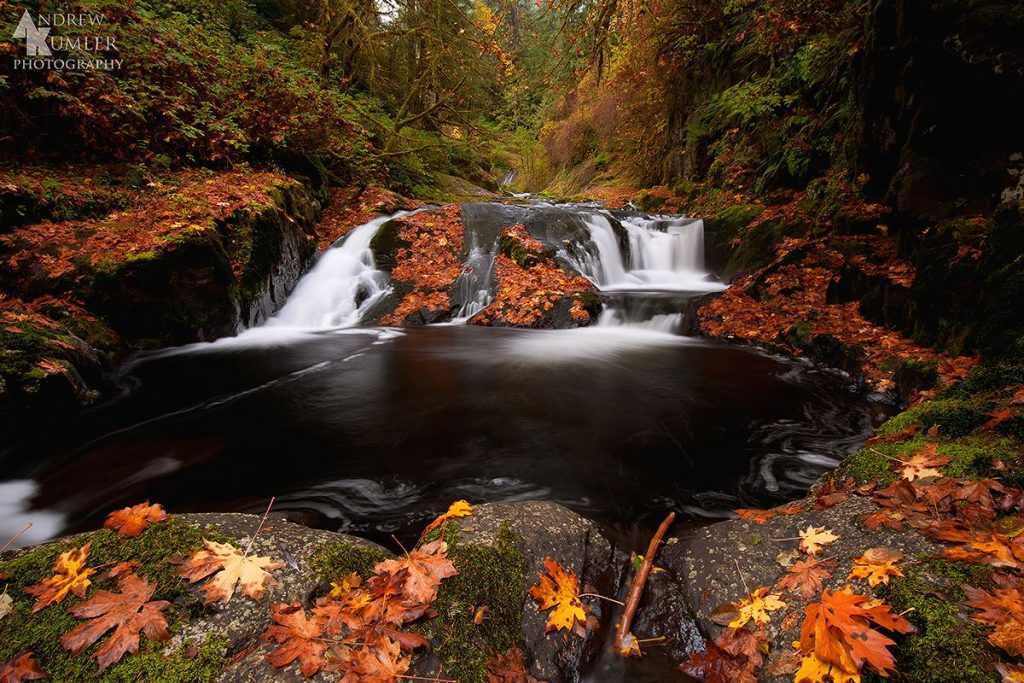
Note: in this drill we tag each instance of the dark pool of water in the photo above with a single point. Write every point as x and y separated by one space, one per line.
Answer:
375 434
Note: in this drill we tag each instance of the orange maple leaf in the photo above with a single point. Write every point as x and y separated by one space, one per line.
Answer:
755 516
840 630
508 667
229 568
459 508
132 521
129 612
558 588
923 464
22 668
999 417
426 566
876 565
1004 609
298 637
70 576
813 538
806 576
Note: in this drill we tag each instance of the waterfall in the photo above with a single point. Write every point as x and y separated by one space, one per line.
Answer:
341 287
664 254
474 288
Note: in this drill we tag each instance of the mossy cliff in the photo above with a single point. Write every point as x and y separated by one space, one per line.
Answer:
93 270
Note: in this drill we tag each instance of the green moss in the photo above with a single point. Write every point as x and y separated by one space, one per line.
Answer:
970 458
986 378
799 334
40 633
954 416
331 561
948 647
488 576
21 351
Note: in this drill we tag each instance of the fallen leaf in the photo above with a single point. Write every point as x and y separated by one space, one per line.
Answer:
298 638
630 646
508 667
132 521
923 464
999 417
70 576
229 568
805 577
129 613
813 538
344 586
123 568
755 516
840 630
559 589
22 668
459 508
1011 673
876 565
427 566
756 606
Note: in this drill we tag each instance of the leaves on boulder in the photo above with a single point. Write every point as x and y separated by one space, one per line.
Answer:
426 567
70 576
298 638
805 576
876 565
459 508
131 521
841 630
129 613
813 538
756 606
229 568
1003 608
558 590
508 667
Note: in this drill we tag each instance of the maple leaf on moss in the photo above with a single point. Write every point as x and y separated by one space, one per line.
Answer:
70 576
21 668
805 576
459 508
876 565
559 589
756 606
131 521
1004 609
841 630
129 613
298 638
813 538
427 566
923 464
229 568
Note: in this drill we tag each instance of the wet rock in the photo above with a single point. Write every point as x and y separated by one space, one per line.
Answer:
243 620
723 562
541 530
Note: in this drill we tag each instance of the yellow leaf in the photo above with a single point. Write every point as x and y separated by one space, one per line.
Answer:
559 589
70 576
756 606
814 670
876 566
229 568
340 589
459 508
814 538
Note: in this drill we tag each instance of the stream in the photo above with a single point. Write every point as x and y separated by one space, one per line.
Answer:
374 431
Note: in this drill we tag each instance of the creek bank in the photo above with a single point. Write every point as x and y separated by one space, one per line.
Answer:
103 261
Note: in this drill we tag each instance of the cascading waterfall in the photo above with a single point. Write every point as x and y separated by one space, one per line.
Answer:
665 255
341 287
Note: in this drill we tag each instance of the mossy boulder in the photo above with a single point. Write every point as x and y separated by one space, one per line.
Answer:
719 232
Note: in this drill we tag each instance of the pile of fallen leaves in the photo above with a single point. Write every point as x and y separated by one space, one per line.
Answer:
527 294
187 202
791 293
428 261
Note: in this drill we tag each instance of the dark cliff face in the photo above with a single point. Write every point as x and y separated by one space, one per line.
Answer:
941 100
